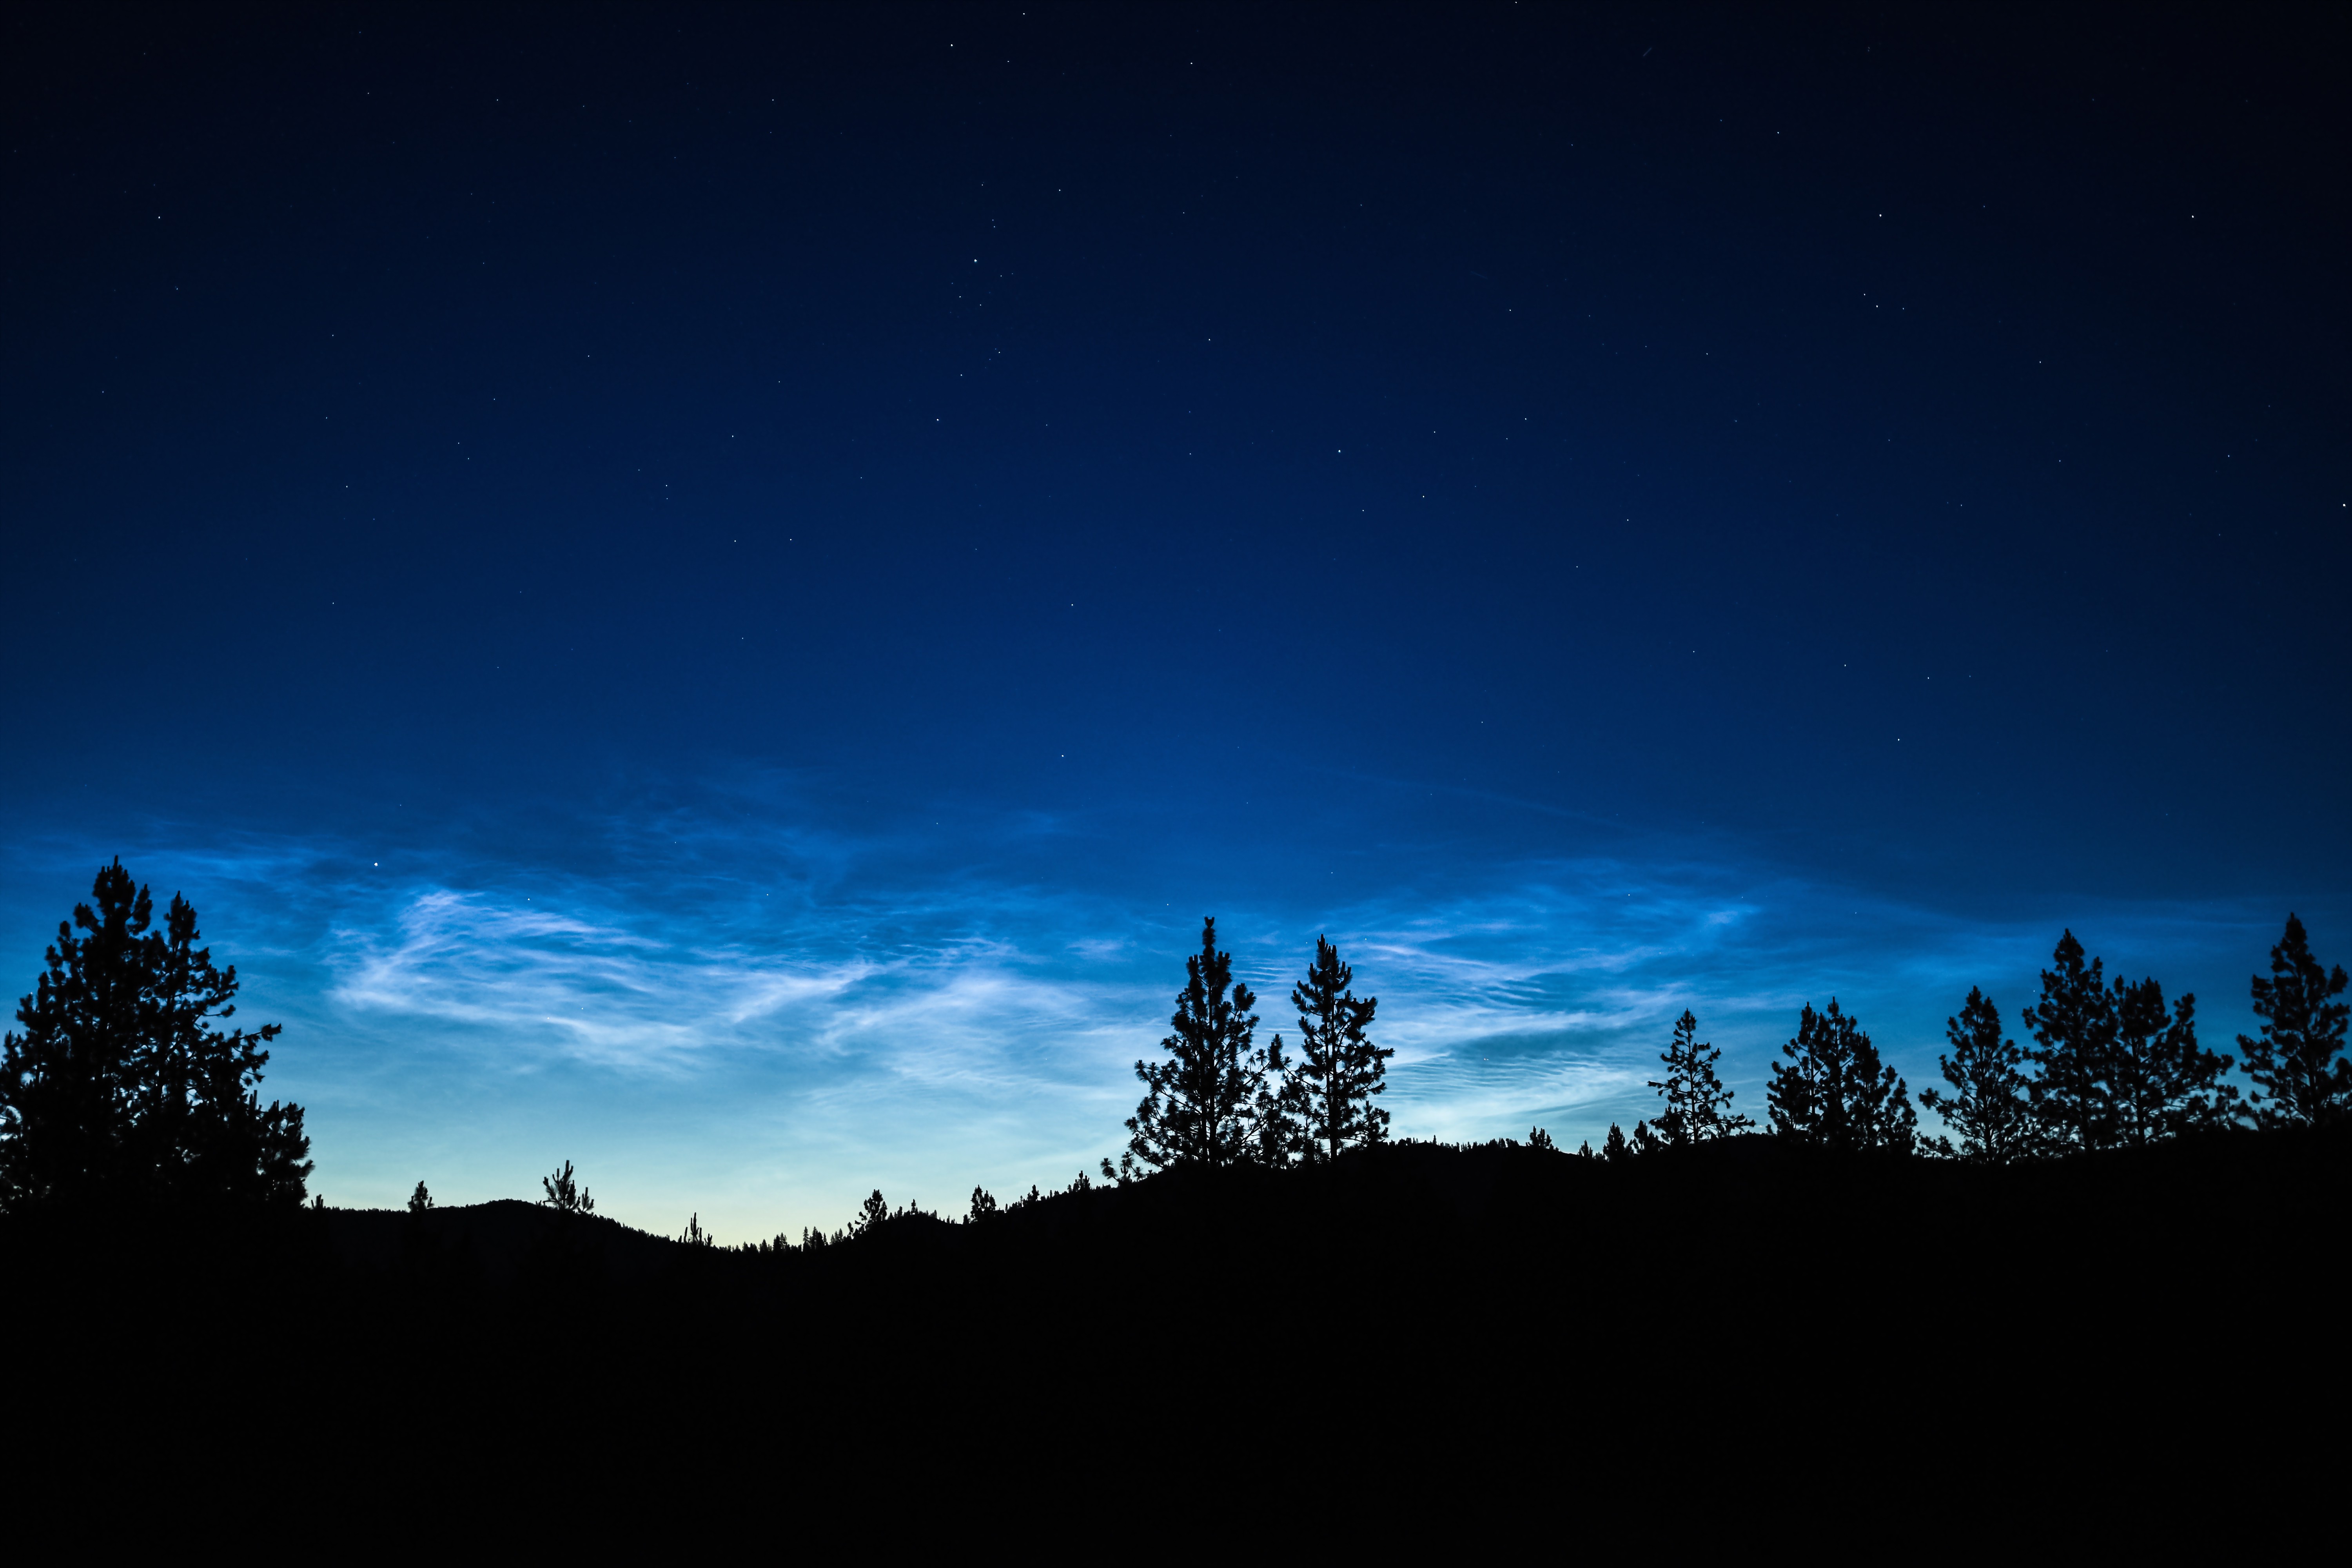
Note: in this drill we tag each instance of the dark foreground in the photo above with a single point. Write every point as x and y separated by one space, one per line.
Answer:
1497 1310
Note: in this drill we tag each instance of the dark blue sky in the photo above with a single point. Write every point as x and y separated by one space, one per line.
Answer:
718 592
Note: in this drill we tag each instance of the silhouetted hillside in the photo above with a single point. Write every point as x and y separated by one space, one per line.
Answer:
1444 1233
492 1247
1487 1306
1440 1225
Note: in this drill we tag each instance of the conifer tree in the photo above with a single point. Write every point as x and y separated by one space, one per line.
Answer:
2163 1082
1834 1090
1340 1071
1207 1104
2301 1077
1613 1148
1697 1105
2073 1027
120 1090
420 1200
1278 1109
564 1194
1991 1104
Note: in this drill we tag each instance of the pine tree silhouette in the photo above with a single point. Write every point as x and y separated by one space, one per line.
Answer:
565 1196
1340 1071
2074 1025
1278 1109
874 1211
1205 1104
1834 1090
420 1200
1990 1106
1613 1148
2301 1075
2161 1082
1697 1105
120 1091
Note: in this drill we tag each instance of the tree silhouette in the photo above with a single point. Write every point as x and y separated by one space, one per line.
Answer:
1614 1148
120 1091
1697 1105
1834 1091
1278 1109
873 1212
1991 1104
983 1206
1203 1106
2074 1026
1340 1071
2162 1082
2301 1074
565 1196
420 1200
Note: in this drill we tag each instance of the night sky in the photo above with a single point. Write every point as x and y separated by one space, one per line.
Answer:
717 593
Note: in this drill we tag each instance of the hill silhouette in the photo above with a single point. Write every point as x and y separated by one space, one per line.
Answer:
1494 1322
1770 1212
1490 1252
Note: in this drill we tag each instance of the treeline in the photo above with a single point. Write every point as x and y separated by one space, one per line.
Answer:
2110 1064
122 1092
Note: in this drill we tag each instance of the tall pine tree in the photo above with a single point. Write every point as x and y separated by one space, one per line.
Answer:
1697 1105
1834 1090
1340 1071
1202 1105
2073 1027
2301 1075
120 1091
1991 1104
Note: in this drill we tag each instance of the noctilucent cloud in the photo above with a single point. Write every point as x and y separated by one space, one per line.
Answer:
715 593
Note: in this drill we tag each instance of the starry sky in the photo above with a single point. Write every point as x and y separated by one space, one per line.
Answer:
716 591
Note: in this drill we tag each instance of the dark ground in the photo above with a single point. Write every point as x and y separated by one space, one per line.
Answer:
1512 1320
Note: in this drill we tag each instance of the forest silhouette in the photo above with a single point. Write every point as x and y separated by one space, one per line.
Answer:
2112 1175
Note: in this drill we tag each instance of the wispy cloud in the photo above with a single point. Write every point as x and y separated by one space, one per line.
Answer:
540 979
